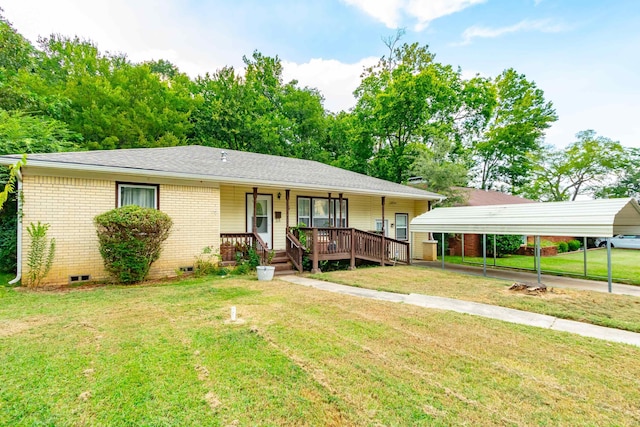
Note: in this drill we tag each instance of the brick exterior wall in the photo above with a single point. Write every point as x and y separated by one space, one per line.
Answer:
472 245
69 205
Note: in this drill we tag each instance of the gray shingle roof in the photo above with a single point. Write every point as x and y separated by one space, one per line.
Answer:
205 163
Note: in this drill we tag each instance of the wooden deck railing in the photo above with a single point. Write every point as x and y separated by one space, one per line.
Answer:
295 251
352 244
233 245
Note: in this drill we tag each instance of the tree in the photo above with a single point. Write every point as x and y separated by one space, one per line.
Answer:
579 169
408 102
513 134
626 178
440 173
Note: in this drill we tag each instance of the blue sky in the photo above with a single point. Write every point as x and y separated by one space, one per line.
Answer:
584 54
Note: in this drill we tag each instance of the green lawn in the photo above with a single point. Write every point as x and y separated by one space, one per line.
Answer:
5 278
165 355
625 264
617 311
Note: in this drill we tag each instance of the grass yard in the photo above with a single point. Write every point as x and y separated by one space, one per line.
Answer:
617 311
165 355
625 264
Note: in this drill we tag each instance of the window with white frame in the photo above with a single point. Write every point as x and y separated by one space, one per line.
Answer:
142 195
379 226
316 211
402 226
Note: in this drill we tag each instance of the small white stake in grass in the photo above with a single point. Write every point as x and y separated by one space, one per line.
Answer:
233 313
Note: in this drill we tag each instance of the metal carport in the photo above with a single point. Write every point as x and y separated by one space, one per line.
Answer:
588 218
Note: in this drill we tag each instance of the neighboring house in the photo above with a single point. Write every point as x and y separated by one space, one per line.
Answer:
214 196
477 197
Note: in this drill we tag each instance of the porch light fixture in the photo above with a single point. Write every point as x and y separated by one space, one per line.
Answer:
223 156
279 195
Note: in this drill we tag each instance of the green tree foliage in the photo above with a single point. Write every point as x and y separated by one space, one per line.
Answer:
24 133
505 244
131 240
625 180
112 102
513 134
440 173
409 102
583 167
258 112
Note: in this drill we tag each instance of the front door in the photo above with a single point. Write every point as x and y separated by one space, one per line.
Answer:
264 217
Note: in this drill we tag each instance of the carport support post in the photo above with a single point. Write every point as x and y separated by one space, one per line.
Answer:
609 276
494 249
537 245
442 250
463 247
584 248
484 254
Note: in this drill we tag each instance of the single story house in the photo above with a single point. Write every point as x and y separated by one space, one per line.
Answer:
214 196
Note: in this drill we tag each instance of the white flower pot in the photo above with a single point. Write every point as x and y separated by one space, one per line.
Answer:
265 272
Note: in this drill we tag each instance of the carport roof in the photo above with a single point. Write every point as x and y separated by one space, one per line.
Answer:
588 218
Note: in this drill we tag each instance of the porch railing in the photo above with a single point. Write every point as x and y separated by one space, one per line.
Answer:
233 245
350 243
295 251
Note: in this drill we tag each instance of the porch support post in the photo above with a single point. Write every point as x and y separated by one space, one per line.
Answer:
340 201
463 247
584 248
286 196
314 247
384 243
609 274
329 209
254 227
352 265
538 266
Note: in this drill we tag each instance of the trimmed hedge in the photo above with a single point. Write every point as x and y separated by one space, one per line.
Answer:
574 245
563 247
131 240
505 244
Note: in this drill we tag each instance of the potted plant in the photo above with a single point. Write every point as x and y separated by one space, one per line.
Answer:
266 270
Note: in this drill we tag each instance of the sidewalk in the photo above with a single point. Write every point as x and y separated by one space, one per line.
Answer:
477 309
526 277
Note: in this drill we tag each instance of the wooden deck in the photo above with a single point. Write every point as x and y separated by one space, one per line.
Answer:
345 244
322 244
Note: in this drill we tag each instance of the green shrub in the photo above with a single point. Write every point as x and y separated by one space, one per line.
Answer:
505 244
574 245
207 263
41 253
131 240
563 247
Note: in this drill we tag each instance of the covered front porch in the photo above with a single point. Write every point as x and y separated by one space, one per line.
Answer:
309 227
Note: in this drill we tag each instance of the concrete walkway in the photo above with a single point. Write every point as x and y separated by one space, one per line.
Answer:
526 277
477 309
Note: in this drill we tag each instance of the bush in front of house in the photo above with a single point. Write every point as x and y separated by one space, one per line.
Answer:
131 240
563 247
574 245
506 244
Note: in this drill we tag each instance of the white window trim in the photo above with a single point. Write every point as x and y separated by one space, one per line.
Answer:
124 185
406 227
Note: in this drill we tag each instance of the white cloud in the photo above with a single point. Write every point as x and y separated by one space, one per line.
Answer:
391 12
427 11
335 80
385 11
544 25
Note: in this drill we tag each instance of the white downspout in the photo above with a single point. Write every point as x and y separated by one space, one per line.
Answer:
19 226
